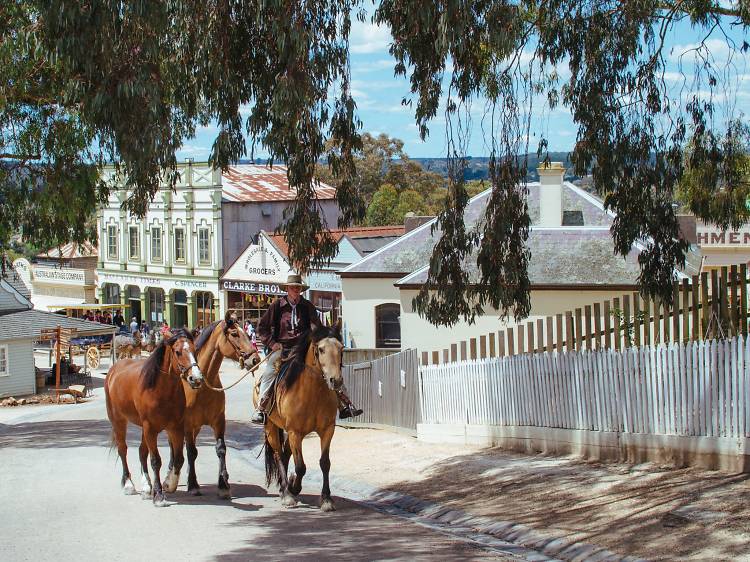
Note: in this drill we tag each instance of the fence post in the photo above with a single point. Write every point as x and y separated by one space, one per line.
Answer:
530 334
646 321
637 319
626 321
550 335
435 358
697 334
675 312
540 335
473 348
511 344
723 299
705 305
425 357
559 335
519 327
579 329
446 356
685 310
463 351
569 343
483 347
454 352
491 340
597 325
616 304
607 326
734 304
587 326
501 343
743 298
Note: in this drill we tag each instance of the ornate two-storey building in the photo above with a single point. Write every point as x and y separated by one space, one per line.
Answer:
165 267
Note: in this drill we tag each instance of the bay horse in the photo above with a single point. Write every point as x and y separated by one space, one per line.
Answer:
149 393
306 401
224 338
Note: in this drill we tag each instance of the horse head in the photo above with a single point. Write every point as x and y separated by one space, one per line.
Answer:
236 344
329 354
183 357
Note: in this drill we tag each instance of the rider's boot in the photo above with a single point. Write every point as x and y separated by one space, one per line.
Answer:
346 407
260 415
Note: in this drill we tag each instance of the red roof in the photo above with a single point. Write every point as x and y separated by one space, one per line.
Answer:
353 232
71 250
253 182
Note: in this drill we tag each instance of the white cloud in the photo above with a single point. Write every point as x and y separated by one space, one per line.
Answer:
371 66
369 38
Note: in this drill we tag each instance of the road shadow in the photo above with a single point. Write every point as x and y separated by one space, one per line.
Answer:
626 509
349 533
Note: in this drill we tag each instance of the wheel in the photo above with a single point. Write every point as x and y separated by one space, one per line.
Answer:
93 358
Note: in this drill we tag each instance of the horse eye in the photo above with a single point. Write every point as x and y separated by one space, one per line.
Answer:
178 353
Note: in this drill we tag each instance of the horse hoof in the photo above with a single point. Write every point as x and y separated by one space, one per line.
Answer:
171 482
128 489
160 501
289 501
327 505
146 495
224 494
195 492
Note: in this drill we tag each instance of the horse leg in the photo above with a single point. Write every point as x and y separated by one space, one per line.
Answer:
146 487
273 440
153 450
295 442
221 452
326 503
286 454
119 433
176 442
192 453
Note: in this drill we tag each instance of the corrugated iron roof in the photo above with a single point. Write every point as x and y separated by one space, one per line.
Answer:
71 250
257 183
29 324
366 233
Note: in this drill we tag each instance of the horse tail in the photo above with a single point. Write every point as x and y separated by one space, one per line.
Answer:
272 467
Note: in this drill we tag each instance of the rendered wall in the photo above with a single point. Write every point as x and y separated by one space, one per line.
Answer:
360 296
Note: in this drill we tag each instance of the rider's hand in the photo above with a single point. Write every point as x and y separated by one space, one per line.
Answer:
276 347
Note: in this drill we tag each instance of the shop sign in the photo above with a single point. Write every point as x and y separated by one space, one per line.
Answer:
260 263
324 281
62 276
252 287
713 237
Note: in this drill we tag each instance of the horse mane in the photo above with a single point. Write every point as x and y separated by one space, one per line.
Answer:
297 361
205 336
152 367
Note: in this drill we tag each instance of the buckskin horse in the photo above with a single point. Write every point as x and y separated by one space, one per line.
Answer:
305 402
224 338
149 393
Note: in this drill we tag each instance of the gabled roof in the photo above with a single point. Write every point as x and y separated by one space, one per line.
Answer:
13 278
71 250
257 183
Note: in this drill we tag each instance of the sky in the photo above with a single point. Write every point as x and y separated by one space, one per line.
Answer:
378 94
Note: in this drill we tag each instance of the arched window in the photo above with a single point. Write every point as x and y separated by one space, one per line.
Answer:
388 325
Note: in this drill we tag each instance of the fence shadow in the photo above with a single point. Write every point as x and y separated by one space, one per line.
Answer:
626 509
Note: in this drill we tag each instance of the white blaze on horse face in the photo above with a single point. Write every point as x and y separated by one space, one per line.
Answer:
195 372
329 357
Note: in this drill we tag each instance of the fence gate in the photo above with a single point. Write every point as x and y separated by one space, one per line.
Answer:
387 390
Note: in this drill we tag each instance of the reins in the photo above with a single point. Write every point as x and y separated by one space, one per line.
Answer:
251 370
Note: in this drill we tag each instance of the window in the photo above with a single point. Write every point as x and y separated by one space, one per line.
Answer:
155 243
179 244
135 243
387 325
4 369
112 242
204 252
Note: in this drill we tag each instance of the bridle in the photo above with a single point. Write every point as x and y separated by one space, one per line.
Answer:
316 365
240 353
183 370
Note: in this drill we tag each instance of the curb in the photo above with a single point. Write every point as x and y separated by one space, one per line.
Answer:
507 536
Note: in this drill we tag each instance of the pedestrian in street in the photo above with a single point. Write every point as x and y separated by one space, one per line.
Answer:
134 325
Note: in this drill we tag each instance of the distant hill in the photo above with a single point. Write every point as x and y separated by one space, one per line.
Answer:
477 167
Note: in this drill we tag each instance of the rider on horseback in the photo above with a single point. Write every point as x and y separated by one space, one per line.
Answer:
287 319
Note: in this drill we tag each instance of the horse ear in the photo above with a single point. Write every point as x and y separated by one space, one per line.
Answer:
337 326
229 319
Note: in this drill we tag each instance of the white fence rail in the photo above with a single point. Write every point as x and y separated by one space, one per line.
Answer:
693 389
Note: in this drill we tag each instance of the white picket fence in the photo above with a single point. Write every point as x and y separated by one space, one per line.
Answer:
693 389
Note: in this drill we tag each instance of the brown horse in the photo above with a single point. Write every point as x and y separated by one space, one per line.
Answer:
149 393
127 346
205 406
305 402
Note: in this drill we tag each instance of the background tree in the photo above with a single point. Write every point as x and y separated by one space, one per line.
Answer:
128 81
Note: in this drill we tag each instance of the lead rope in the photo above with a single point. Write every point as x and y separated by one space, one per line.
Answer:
252 370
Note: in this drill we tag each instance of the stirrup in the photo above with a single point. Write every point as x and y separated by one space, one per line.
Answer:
259 417
349 412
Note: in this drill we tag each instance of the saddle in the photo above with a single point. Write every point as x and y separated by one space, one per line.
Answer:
281 366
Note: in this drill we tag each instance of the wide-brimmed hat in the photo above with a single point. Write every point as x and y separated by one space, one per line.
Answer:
295 280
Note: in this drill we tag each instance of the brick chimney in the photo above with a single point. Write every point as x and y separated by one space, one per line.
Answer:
550 193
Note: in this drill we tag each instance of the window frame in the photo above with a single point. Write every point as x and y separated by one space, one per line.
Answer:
206 261
4 350
137 255
161 245
112 236
177 257
379 309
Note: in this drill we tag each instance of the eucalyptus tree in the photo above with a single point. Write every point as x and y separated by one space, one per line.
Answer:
129 81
